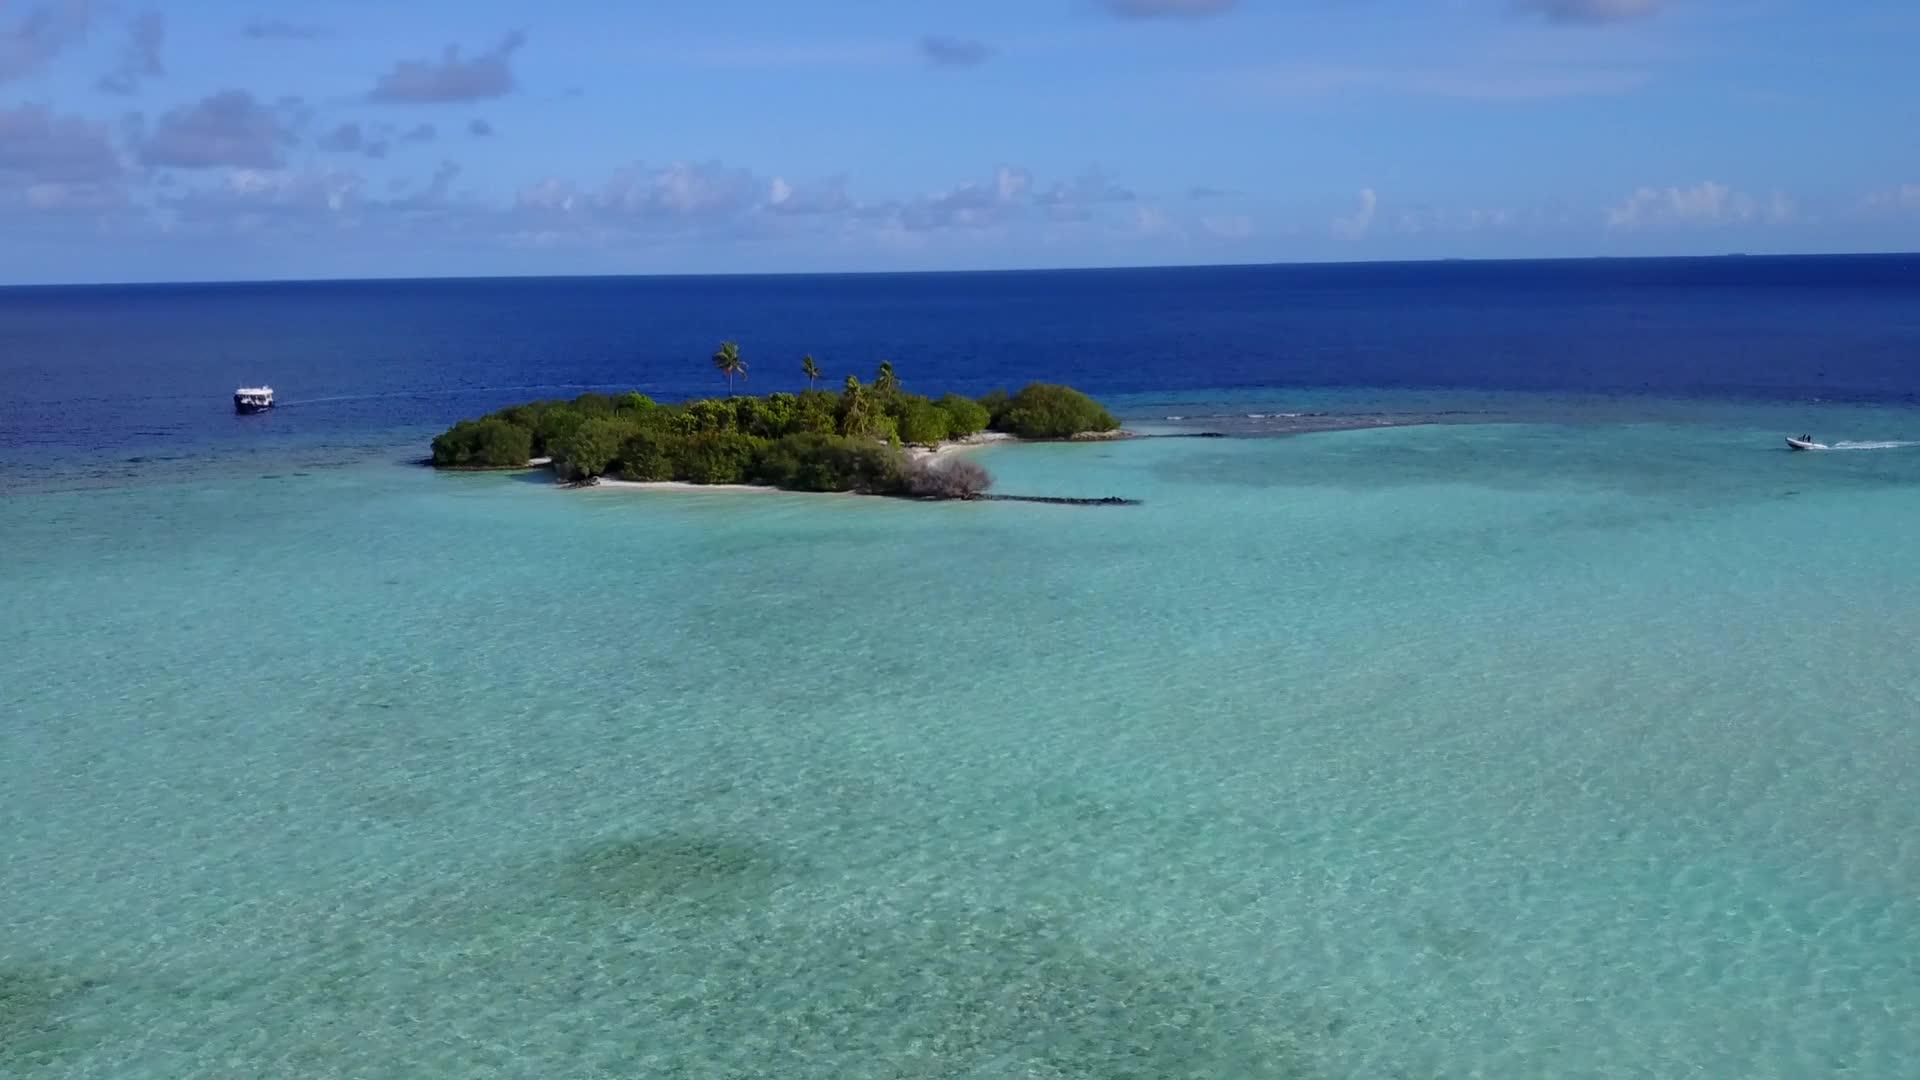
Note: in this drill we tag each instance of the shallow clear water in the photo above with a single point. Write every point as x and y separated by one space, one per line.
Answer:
1578 749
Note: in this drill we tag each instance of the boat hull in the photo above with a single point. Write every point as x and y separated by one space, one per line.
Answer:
245 408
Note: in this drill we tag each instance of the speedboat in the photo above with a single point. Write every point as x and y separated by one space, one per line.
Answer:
1804 442
253 399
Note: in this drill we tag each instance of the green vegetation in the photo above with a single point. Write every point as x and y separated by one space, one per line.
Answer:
922 422
810 461
492 442
964 416
727 359
594 445
1049 411
815 440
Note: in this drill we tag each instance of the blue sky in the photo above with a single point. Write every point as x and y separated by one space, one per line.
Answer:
216 139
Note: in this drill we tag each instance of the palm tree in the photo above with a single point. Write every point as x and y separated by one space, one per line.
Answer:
810 369
854 407
885 381
727 359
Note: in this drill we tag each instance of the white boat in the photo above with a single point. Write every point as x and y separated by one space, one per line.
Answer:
253 399
1804 442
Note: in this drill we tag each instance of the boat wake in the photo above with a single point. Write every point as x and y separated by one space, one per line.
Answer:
1882 444
453 392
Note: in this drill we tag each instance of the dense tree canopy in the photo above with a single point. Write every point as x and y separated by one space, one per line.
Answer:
815 440
1049 411
490 442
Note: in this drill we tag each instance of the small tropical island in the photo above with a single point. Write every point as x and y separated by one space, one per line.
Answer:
869 438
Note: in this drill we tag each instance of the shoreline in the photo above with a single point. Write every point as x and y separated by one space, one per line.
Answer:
684 485
536 463
950 447
940 451
762 489
937 452
914 453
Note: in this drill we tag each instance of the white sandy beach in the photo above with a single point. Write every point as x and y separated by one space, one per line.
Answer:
961 445
914 453
682 485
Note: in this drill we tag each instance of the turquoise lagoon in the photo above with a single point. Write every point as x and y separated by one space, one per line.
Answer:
1578 744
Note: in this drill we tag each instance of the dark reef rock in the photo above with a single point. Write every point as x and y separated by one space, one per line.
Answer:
1057 500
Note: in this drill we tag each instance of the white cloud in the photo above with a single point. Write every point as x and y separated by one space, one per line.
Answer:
1153 9
1704 205
244 187
42 32
955 52
141 58
38 145
718 202
350 138
685 190
677 194
1228 226
318 189
790 54
1151 221
1360 222
1592 11
970 205
73 198
1415 220
1092 186
452 77
826 197
1010 184
1491 82
249 199
267 29
552 194
230 128
271 203
1900 199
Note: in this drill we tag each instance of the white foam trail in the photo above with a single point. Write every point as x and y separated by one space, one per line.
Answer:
1883 444
448 393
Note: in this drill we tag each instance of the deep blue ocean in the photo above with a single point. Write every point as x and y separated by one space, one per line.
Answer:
1507 702
91 377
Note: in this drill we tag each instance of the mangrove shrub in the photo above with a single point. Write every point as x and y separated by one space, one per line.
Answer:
591 447
1051 411
964 416
921 421
489 442
718 457
815 462
650 454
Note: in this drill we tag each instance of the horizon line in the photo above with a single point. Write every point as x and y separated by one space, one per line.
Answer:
955 272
